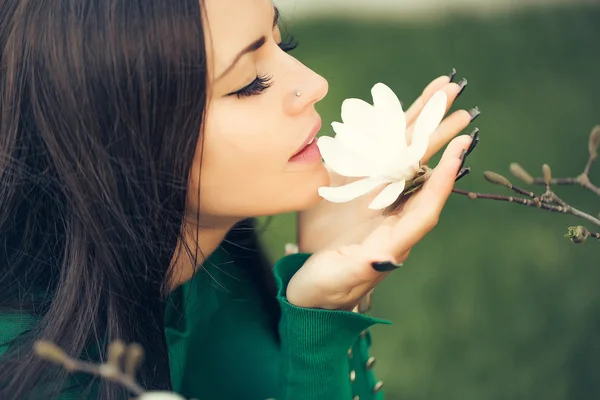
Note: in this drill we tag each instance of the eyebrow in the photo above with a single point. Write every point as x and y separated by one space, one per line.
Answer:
257 44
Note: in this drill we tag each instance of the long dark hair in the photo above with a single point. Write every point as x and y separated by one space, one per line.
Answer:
101 104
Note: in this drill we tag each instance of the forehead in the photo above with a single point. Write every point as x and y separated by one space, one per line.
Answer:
231 25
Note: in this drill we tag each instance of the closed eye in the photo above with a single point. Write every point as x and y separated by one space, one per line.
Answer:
261 83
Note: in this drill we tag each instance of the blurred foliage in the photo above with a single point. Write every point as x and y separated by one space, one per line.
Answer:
495 303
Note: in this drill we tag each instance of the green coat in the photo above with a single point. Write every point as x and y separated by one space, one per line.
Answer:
220 346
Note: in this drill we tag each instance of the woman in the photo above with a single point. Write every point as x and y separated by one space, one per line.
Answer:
140 137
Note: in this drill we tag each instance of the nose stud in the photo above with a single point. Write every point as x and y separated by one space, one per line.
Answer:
298 93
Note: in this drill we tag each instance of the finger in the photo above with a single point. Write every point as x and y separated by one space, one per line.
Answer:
446 131
399 233
429 202
452 90
415 108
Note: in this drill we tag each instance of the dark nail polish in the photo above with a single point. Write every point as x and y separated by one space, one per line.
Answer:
474 113
474 140
462 173
463 158
462 84
385 266
452 75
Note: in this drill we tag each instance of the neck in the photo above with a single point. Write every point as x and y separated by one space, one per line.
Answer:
200 239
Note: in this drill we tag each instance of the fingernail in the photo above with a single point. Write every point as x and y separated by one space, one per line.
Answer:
452 75
474 140
385 266
462 173
462 84
463 158
474 113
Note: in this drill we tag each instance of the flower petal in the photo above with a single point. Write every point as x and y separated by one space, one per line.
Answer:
359 114
342 160
381 157
408 169
358 141
390 116
351 191
388 195
427 122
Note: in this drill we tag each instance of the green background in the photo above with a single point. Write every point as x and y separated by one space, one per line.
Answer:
495 303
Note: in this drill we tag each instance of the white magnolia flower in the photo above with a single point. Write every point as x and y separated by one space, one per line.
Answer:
371 143
160 396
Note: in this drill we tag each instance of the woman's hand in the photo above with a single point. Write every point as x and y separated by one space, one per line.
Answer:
330 225
339 277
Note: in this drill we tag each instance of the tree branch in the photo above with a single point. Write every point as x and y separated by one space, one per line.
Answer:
110 371
582 180
549 200
529 203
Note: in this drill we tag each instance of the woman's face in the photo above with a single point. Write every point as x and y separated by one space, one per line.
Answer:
243 161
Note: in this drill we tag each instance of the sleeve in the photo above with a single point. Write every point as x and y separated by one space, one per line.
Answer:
12 326
324 353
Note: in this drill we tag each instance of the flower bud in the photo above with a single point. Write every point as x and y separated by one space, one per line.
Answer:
578 234
594 141
116 350
547 174
51 352
520 173
133 358
497 179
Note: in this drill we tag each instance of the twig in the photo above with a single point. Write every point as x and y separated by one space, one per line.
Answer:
110 371
582 180
549 200
555 181
529 203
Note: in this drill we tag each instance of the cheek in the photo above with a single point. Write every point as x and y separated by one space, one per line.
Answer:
245 141
244 170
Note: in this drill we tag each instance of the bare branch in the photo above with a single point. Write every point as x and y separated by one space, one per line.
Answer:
512 199
581 180
555 181
548 201
110 371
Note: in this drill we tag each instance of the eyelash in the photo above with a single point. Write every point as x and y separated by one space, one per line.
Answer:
262 83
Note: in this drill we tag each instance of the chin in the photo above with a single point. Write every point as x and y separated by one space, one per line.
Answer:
308 202
310 188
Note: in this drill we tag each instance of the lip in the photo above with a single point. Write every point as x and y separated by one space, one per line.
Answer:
313 133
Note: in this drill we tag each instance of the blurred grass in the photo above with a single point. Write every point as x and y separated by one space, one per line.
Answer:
495 303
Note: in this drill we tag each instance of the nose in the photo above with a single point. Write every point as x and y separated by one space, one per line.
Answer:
308 89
